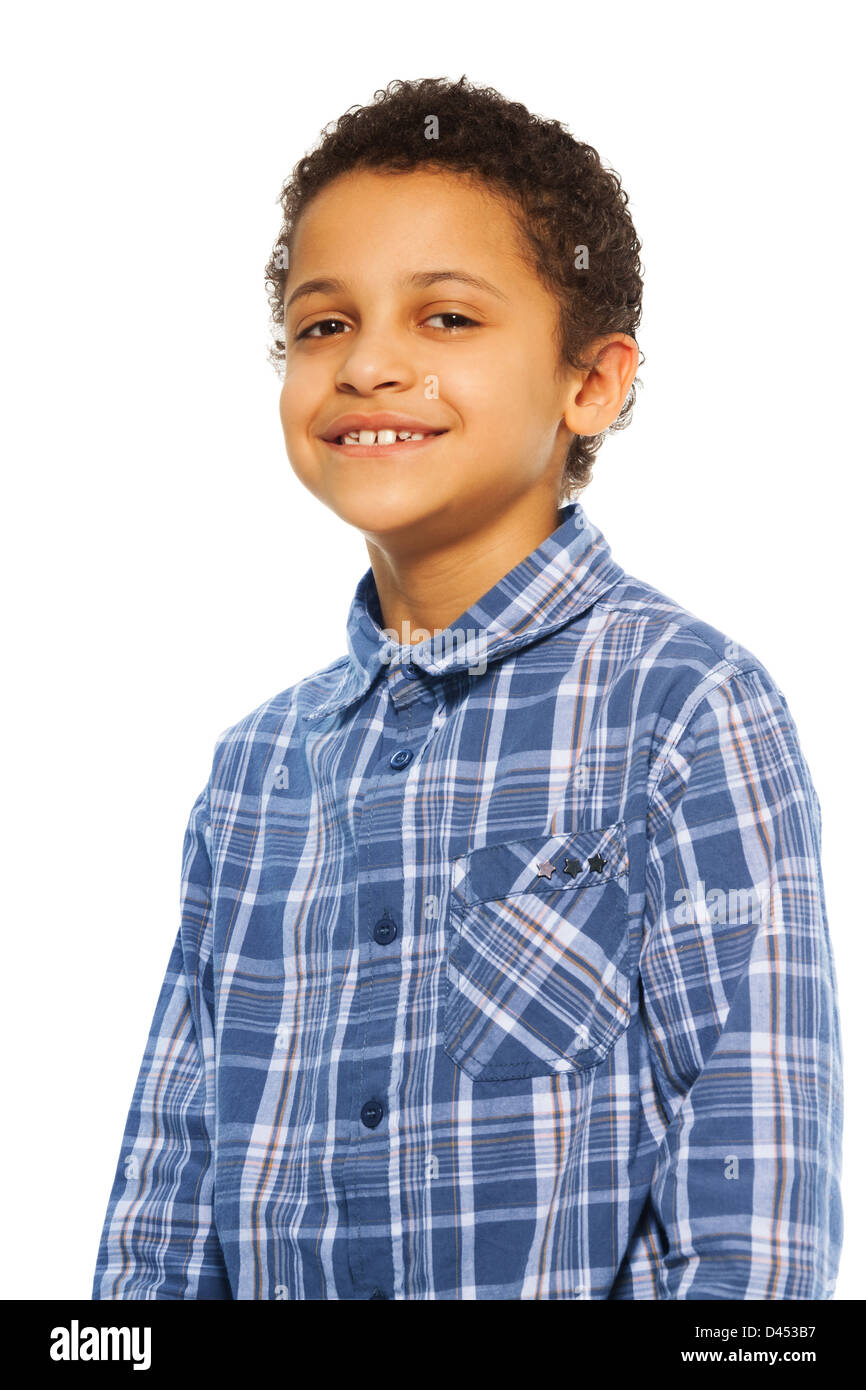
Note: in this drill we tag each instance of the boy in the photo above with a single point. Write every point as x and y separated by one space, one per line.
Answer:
503 969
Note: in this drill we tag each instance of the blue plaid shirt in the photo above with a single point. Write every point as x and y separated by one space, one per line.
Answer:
503 972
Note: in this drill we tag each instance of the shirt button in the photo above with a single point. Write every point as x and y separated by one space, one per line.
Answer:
412 670
385 931
401 757
377 1293
371 1113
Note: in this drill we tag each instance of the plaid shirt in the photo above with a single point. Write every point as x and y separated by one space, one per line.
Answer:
503 972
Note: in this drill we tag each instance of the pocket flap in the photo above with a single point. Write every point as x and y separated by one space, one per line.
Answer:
541 864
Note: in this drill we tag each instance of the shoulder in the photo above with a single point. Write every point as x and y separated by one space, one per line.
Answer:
271 724
675 668
682 656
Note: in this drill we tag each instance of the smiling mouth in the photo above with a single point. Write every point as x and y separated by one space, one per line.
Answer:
378 443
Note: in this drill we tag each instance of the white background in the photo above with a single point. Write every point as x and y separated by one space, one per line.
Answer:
166 572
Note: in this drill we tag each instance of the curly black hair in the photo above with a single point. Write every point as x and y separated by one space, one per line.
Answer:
562 196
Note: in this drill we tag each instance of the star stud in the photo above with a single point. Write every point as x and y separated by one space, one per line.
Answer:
596 863
544 867
571 867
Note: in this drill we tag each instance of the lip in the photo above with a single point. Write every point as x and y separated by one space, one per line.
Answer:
379 420
376 451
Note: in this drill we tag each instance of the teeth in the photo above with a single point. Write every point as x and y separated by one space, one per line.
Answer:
367 438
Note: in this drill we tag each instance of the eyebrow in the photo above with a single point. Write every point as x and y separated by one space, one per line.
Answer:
422 279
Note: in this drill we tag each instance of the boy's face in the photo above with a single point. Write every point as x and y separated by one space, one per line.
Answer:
382 341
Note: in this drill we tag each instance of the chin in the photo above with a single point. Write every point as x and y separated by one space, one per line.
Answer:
382 514
389 512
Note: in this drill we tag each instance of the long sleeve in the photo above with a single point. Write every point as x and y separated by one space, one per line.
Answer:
738 997
158 1239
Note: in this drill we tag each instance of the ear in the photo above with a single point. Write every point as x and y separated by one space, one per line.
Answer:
595 395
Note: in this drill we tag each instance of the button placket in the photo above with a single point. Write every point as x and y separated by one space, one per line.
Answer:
375 1017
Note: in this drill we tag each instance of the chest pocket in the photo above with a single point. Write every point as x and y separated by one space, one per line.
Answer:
540 959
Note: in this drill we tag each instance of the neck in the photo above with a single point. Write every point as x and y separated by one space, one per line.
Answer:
423 592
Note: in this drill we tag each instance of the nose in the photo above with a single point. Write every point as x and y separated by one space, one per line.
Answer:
373 362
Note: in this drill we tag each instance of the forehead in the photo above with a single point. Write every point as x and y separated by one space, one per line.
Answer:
370 222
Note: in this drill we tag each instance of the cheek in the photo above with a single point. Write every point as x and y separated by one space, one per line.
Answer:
295 415
506 391
295 401
482 391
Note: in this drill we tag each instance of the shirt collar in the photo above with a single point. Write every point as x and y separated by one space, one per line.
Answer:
562 577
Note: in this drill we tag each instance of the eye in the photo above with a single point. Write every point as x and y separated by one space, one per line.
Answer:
445 314
321 323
